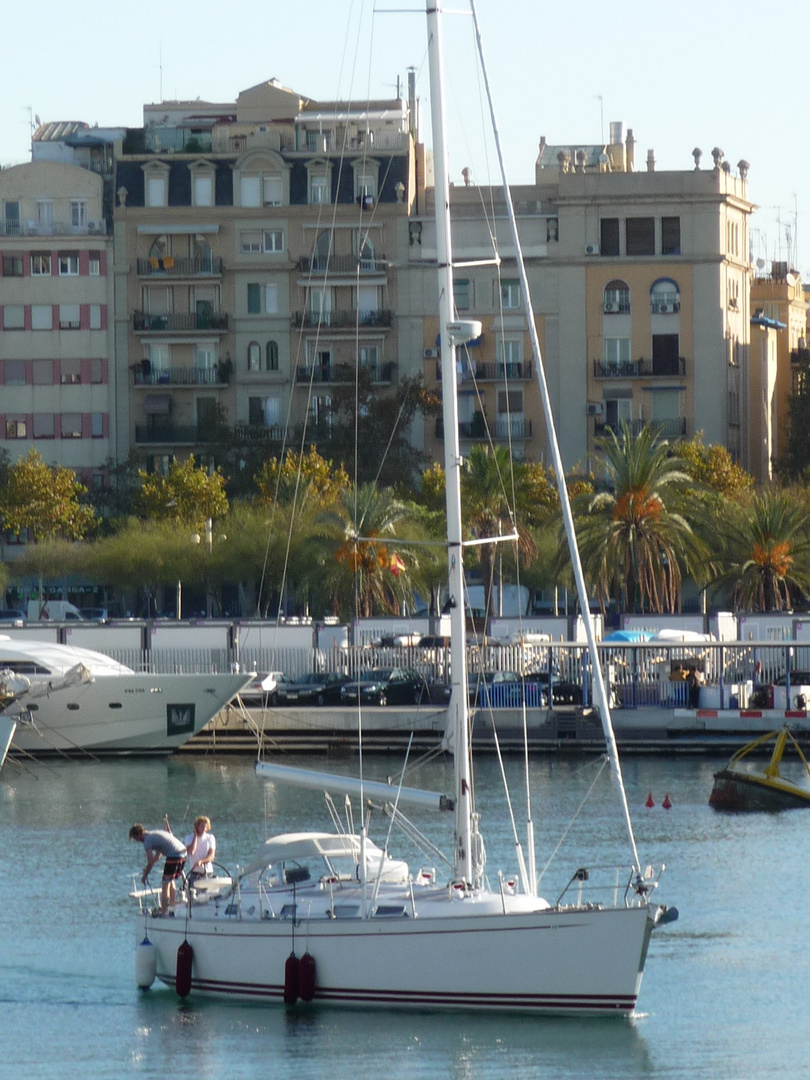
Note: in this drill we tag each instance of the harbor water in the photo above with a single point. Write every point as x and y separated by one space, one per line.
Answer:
724 994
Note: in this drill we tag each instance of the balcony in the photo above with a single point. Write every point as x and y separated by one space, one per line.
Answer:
800 356
342 320
180 268
644 368
343 373
513 427
10 227
185 322
486 371
674 428
167 434
316 265
144 375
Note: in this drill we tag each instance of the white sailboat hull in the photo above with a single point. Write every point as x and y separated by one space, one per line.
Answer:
548 961
127 712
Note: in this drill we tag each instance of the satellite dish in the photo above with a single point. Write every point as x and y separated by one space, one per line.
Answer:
760 263
790 279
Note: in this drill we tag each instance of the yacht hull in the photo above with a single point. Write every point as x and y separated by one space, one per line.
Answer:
139 713
550 961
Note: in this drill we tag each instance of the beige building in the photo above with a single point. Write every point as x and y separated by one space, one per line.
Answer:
253 244
56 371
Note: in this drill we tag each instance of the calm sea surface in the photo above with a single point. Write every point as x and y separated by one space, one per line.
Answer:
725 993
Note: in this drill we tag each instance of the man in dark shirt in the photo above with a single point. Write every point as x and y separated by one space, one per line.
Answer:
160 844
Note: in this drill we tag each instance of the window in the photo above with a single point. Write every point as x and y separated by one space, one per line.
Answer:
41 317
12 266
43 426
42 372
665 358
640 236
670 236
11 217
44 215
96 371
250 190
15 373
250 241
271 354
365 186
318 189
69 317
271 299
94 264
156 191
368 357
78 213
97 425
40 265
95 316
264 412
254 298
320 304
617 298
272 190
510 356
203 189
609 236
320 410
70 371
617 409
71 425
68 264
273 240
14 317
461 291
510 293
16 427
254 356
616 352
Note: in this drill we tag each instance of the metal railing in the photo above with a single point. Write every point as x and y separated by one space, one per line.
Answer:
342 264
170 266
644 367
343 373
219 375
342 319
143 322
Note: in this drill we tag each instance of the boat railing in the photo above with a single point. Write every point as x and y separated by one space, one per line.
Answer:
608 885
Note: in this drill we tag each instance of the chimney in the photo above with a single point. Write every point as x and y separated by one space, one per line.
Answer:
630 150
650 161
616 132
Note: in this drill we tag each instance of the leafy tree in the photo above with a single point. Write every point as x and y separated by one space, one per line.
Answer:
713 468
45 499
188 493
633 540
765 551
299 478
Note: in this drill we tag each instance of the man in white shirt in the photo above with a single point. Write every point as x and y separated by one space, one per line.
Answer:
201 846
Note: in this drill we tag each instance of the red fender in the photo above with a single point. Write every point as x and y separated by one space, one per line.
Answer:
182 978
307 977
291 979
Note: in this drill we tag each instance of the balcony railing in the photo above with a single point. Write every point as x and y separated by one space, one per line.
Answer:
175 267
10 227
665 303
145 375
343 373
642 368
172 434
342 264
143 322
487 371
665 429
342 320
800 356
512 427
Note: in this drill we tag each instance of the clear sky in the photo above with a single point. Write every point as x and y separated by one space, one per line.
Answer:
681 75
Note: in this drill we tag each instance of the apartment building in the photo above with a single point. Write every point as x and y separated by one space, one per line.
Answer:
252 244
56 370
640 288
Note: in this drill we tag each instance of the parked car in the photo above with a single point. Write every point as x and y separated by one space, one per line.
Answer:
95 614
12 617
562 691
387 686
317 688
265 688
507 690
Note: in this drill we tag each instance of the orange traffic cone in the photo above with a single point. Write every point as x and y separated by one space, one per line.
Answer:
666 803
650 801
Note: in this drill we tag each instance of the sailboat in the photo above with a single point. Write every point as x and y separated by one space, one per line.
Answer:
330 917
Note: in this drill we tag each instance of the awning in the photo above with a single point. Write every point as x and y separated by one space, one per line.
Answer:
157 403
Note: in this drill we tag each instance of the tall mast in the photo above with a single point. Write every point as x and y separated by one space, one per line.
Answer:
464 861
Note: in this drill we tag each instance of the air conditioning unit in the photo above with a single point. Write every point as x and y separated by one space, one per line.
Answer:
611 307
96 227
431 354
591 249
666 309
595 408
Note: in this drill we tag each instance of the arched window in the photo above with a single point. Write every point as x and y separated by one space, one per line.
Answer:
665 297
254 356
617 298
272 355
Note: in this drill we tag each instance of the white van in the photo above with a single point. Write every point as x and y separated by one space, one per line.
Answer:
53 611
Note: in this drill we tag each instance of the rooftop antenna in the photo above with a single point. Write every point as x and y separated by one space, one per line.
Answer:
601 117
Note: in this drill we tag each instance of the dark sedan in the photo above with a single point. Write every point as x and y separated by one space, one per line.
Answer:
386 686
317 688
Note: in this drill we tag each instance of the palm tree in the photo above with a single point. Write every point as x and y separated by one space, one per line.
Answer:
765 551
633 540
497 498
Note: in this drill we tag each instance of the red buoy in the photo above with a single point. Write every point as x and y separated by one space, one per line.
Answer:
182 978
306 977
650 801
292 972
666 803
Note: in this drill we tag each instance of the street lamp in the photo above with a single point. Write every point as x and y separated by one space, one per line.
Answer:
209 545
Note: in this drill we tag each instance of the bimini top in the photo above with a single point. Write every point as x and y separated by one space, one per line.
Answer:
306 845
